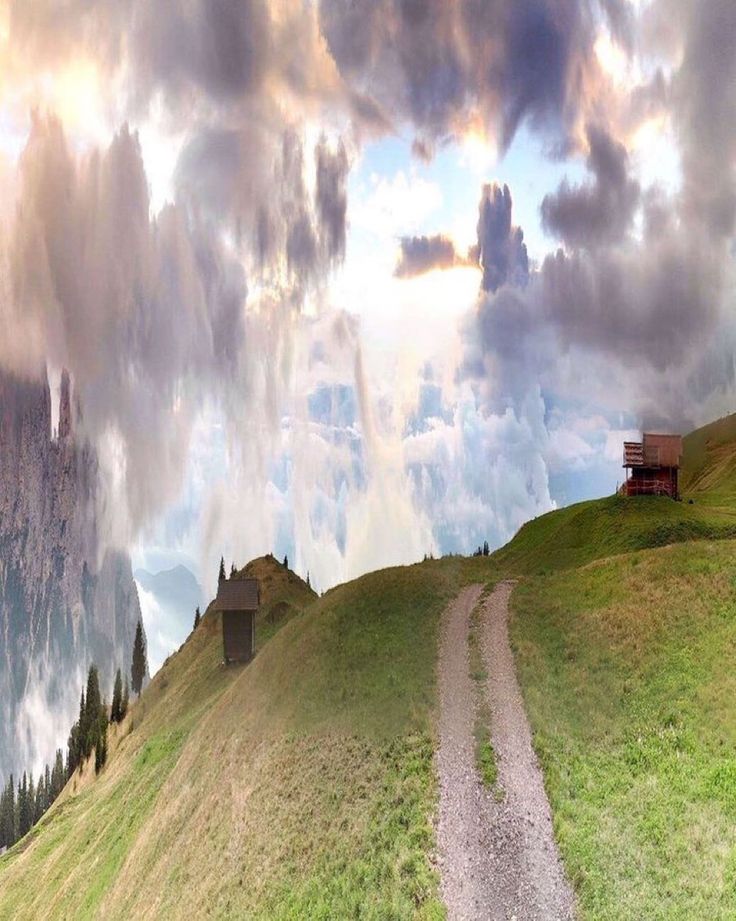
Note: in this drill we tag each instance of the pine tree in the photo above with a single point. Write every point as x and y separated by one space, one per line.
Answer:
233 570
486 549
309 584
31 805
197 617
47 788
125 701
286 562
7 815
57 776
117 699
73 751
138 669
101 750
39 808
81 730
221 577
92 711
24 808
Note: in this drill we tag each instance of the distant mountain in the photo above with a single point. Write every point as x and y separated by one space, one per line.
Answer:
65 601
168 599
175 588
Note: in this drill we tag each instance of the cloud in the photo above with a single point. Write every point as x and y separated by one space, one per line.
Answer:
500 252
601 212
141 310
422 254
444 66
501 249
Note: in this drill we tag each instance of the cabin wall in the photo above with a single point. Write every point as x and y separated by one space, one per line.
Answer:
238 635
646 481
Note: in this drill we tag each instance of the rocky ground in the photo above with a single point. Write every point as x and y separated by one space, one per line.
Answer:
498 857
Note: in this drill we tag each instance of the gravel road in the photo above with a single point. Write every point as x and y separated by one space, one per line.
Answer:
498 858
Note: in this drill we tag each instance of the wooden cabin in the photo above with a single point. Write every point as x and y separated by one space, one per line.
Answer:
652 466
238 600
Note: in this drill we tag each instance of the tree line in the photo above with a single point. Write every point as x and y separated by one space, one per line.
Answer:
22 803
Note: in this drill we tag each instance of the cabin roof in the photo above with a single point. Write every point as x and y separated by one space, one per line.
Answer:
237 595
654 450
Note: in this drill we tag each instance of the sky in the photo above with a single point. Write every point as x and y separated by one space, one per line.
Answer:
359 282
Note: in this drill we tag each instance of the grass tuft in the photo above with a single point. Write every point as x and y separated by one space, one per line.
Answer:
485 757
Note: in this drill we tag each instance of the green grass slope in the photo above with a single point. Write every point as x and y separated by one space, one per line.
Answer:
302 785
709 463
298 786
587 531
624 650
627 672
283 594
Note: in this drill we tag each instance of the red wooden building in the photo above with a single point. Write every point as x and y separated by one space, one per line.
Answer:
652 466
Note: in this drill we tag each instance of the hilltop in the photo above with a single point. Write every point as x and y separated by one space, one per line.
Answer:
303 784
298 786
283 594
599 528
709 462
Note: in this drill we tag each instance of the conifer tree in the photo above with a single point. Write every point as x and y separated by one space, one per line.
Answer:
47 788
221 576
197 618
286 562
309 584
125 701
81 729
7 815
73 751
138 668
40 806
92 711
57 776
117 699
24 810
31 804
101 750
233 570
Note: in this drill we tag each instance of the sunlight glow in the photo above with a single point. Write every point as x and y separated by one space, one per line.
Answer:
612 59
74 94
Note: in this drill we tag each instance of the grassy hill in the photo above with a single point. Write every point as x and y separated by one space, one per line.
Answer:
299 786
625 661
709 463
302 785
627 670
587 531
283 594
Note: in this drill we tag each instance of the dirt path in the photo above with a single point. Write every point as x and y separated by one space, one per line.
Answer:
498 858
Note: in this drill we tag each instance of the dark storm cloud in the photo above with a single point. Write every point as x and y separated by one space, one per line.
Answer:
435 63
422 254
597 212
501 250
652 305
222 47
658 302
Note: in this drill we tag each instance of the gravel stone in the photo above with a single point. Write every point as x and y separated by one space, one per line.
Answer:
498 860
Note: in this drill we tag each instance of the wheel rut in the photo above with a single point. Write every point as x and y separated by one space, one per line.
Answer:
497 854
